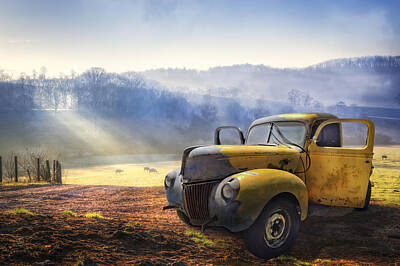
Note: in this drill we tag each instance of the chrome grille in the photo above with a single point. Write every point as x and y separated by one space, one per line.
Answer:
196 201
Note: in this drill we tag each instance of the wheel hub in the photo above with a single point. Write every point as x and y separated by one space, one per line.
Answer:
276 229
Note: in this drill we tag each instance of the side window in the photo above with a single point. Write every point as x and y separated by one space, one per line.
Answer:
329 136
354 134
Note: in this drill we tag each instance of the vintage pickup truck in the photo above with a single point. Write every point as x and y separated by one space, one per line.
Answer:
264 185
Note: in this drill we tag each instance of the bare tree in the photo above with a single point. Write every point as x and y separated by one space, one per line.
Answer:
301 100
9 166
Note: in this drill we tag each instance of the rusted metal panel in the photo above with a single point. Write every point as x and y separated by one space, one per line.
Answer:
217 162
259 186
339 176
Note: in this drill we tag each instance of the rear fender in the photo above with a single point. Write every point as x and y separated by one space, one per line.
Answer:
259 186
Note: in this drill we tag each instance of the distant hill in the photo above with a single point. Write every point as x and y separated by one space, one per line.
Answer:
366 63
367 81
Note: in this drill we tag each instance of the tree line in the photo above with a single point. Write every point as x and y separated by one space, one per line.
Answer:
112 94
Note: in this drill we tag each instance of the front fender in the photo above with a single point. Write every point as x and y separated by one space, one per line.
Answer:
259 186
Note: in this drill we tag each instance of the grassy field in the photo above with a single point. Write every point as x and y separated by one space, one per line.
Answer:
385 177
131 175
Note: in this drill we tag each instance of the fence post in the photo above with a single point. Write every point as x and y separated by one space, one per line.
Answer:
59 177
59 174
54 179
38 169
1 170
16 168
48 170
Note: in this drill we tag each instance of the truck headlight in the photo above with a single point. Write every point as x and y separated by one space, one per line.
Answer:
169 181
227 191
230 189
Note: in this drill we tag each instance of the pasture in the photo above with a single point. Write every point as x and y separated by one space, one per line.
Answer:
112 214
386 176
121 174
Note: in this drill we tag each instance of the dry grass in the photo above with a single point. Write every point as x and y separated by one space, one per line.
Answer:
23 183
132 175
386 175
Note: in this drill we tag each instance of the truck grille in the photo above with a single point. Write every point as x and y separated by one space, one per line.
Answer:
196 197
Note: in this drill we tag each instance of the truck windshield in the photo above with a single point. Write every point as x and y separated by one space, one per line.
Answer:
289 132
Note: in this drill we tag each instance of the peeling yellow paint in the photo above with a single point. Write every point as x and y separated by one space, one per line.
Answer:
339 176
254 157
256 190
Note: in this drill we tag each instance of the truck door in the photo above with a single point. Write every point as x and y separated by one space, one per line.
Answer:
340 162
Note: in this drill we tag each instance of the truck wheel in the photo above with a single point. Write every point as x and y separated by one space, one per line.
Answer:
275 230
367 199
183 217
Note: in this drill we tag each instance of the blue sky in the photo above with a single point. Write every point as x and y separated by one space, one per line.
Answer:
122 35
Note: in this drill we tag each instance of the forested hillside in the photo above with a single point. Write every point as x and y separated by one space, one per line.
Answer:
165 110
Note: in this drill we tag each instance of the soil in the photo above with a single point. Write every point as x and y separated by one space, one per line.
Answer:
334 236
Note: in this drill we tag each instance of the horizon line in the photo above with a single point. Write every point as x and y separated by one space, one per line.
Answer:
7 71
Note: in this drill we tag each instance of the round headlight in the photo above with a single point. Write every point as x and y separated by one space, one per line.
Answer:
227 191
168 181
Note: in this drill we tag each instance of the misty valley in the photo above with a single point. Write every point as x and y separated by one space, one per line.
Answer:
166 110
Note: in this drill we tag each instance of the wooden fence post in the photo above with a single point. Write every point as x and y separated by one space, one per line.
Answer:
59 176
57 167
16 168
1 170
48 170
59 173
54 179
38 169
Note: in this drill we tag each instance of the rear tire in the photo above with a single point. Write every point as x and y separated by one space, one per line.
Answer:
275 230
367 199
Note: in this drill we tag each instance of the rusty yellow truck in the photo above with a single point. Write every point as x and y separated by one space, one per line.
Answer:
264 185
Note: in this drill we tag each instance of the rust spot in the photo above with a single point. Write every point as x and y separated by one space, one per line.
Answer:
283 163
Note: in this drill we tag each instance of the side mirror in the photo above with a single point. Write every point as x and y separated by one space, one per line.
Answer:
217 140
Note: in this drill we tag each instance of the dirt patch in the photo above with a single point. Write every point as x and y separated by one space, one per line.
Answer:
139 232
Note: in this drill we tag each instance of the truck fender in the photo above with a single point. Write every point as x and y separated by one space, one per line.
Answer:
259 186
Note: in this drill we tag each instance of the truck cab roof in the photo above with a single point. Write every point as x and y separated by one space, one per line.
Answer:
309 118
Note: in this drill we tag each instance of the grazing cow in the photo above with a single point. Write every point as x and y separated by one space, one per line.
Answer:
119 171
153 170
146 169
384 157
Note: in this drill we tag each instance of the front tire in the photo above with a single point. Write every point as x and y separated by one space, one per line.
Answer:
275 230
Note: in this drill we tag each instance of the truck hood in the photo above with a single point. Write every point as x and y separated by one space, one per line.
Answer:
219 161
